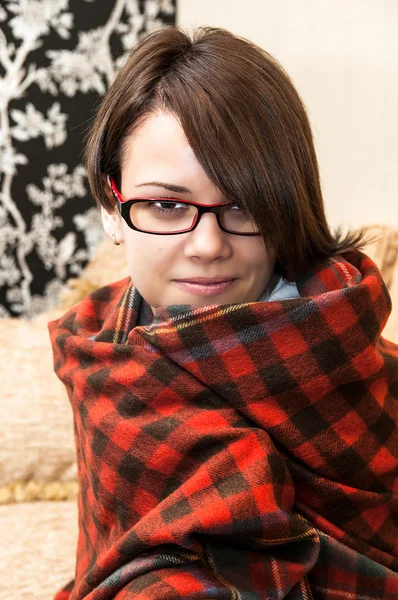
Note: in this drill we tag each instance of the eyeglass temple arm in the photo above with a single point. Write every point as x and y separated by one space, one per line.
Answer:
115 190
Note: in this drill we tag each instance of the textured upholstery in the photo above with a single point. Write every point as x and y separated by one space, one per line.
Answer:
37 550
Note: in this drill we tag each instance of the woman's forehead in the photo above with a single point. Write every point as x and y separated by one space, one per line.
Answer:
159 153
160 133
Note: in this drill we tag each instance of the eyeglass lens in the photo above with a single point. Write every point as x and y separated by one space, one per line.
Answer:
162 217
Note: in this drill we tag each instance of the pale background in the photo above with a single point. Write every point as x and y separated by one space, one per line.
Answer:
342 55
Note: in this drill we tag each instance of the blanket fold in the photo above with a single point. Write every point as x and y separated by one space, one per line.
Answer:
237 451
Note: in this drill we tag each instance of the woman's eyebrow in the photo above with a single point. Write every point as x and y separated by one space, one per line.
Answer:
167 186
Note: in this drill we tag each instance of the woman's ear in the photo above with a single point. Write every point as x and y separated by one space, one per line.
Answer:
106 180
111 219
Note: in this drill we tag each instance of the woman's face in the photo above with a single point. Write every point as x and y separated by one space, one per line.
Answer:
160 265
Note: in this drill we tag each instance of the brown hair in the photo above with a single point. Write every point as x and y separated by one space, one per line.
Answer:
246 124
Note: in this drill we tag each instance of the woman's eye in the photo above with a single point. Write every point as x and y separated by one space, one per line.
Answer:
234 208
167 206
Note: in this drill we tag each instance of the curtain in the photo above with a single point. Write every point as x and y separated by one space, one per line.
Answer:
57 58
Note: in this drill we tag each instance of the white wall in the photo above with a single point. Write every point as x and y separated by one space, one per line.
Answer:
343 58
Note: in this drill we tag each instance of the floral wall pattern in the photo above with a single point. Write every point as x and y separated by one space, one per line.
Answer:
57 58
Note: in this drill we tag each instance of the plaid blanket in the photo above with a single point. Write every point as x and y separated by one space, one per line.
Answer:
237 451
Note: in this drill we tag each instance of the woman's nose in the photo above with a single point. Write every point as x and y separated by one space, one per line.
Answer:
207 241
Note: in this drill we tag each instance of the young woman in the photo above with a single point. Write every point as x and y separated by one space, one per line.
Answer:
235 404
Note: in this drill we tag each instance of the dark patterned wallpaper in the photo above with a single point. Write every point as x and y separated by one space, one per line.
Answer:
57 58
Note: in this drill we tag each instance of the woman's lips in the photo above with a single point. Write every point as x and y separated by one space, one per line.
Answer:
204 289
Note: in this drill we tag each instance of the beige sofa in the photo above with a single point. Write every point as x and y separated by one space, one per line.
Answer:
38 488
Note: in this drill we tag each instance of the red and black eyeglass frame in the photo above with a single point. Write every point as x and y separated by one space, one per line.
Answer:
124 205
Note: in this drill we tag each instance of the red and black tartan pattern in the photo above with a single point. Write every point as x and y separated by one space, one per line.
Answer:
232 451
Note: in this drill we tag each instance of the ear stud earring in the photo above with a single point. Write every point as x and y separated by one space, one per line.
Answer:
113 236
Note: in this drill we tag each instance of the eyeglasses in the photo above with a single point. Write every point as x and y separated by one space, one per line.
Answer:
171 216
